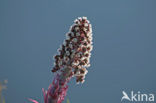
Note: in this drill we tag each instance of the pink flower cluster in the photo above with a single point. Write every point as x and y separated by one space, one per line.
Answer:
74 54
71 61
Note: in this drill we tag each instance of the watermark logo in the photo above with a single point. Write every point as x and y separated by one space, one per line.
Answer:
137 96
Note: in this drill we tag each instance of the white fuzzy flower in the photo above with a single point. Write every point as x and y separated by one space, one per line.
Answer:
86 24
79 18
77 34
84 17
71 46
72 34
76 28
85 29
67 53
75 40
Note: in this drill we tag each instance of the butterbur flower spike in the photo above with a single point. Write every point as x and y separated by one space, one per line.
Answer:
73 57
71 61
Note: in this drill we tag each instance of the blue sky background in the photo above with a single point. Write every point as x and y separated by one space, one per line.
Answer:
123 58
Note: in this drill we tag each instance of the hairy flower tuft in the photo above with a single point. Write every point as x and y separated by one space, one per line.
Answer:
74 54
71 61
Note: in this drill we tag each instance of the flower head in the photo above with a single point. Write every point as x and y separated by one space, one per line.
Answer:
74 55
71 61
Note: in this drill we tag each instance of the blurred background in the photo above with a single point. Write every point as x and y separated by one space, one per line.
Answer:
123 57
3 87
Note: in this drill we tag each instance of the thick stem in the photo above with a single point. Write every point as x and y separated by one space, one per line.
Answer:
57 91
